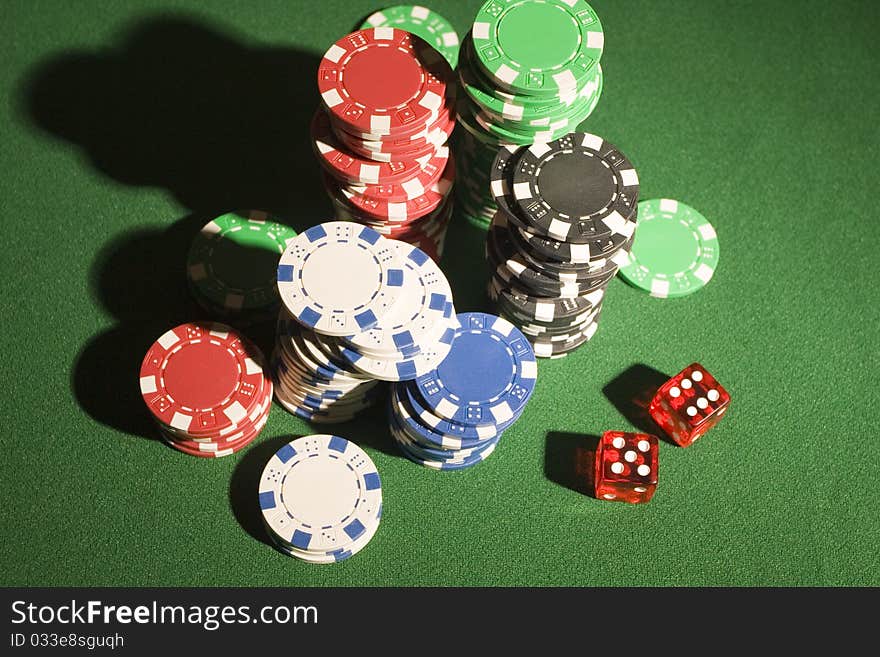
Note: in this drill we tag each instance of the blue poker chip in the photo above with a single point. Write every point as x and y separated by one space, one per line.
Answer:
424 434
429 451
448 459
414 454
488 375
449 427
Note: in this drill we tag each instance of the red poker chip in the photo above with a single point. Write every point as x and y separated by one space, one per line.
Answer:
409 210
231 432
208 455
210 433
380 80
410 189
410 133
437 139
233 443
419 138
350 167
201 377
430 225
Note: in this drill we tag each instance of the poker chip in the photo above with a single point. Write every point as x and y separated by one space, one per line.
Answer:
336 300
403 149
382 79
539 48
421 21
675 252
452 419
402 212
576 188
232 262
405 367
434 134
419 310
344 165
321 498
501 355
206 387
406 191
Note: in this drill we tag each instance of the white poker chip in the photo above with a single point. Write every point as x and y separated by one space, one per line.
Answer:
339 278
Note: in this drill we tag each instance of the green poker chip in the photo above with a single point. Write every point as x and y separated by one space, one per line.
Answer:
528 110
424 23
538 48
675 252
233 261
525 134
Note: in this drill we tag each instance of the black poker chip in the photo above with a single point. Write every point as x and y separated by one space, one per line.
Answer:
575 188
509 263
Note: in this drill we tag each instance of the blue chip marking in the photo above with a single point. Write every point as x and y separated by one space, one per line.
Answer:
488 376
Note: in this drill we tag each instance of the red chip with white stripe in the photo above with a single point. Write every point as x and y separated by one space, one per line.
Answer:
396 192
201 377
408 210
343 165
382 79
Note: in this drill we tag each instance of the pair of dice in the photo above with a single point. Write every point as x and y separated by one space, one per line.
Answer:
685 407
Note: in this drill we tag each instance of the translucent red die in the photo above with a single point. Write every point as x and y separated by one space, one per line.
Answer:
689 404
626 467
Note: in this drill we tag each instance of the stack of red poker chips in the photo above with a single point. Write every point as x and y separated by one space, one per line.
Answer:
387 112
207 388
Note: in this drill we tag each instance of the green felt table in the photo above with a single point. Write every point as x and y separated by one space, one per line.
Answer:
126 124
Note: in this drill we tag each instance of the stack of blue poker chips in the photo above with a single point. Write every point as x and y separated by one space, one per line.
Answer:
452 417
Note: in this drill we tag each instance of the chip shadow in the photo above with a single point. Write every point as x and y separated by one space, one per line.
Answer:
569 458
245 483
631 392
218 124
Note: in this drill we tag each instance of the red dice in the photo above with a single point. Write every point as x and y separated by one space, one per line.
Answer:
689 404
626 467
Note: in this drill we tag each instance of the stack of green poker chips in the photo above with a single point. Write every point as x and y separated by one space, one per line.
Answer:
530 73
232 265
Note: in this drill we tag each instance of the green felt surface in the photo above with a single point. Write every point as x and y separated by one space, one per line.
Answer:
126 124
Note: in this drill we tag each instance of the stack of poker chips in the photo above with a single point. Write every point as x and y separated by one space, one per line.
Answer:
232 263
566 220
452 417
321 498
380 134
530 73
358 308
207 389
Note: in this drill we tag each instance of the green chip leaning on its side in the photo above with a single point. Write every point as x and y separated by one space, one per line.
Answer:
233 261
675 252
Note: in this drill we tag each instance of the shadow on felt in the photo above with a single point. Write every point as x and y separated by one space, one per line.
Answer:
220 126
569 458
631 392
